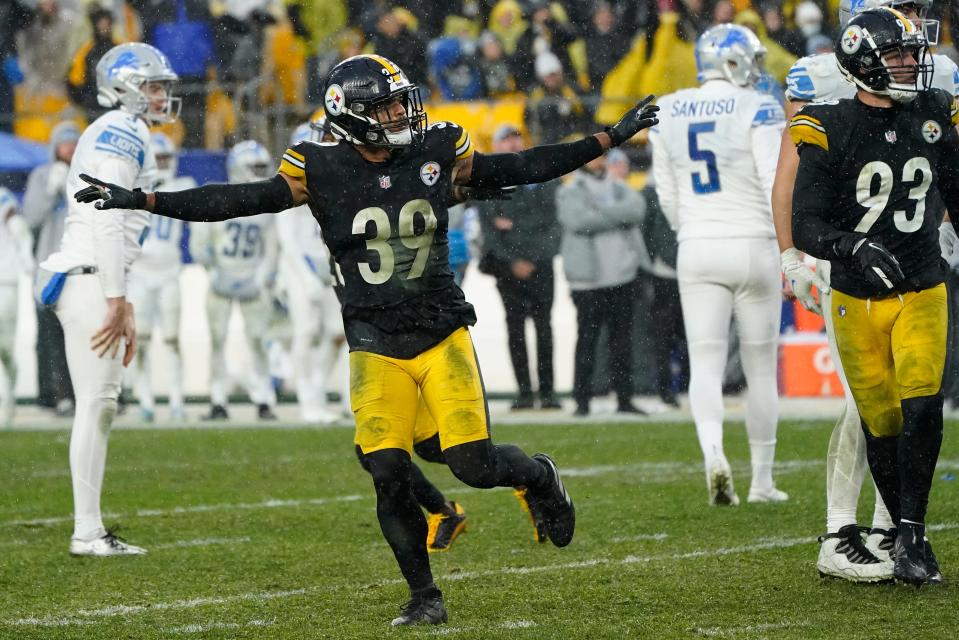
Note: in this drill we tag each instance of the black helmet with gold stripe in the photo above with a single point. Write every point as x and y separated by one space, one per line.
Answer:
362 100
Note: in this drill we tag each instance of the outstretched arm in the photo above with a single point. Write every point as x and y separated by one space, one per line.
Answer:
543 163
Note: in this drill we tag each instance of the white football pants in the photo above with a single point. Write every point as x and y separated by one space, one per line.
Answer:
156 303
96 385
8 364
256 319
719 277
846 462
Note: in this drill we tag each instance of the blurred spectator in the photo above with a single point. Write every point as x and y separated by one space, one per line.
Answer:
14 16
454 69
723 12
82 80
349 43
45 210
182 30
553 110
392 39
818 44
809 20
602 251
547 30
791 39
607 41
778 60
506 21
316 22
520 239
496 75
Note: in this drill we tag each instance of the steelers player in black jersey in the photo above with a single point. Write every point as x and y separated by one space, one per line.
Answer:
874 174
380 196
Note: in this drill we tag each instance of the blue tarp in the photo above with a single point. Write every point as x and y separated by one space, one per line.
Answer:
17 154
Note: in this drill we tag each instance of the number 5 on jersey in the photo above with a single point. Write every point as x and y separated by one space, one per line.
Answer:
703 155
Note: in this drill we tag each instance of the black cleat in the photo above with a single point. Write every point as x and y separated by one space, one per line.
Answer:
910 555
263 412
422 610
554 504
217 412
535 515
934 575
444 528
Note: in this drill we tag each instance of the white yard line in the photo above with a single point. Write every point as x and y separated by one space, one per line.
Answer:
643 537
201 542
729 632
203 628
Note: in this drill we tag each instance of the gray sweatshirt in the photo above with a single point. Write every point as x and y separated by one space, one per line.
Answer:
45 208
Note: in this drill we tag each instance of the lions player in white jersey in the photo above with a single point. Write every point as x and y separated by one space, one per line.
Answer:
843 553
241 257
87 279
713 161
16 258
319 342
155 287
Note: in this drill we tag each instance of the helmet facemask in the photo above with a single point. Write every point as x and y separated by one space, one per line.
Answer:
382 131
885 77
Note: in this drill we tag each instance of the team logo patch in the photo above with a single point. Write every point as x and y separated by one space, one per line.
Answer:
852 39
931 131
385 182
890 136
430 173
335 100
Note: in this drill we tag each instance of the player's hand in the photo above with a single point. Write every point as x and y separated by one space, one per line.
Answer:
879 266
130 334
801 279
115 327
642 116
112 196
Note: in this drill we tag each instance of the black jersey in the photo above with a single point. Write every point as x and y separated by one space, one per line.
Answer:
876 172
386 228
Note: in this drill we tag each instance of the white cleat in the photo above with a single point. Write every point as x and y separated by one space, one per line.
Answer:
881 542
772 494
719 481
843 555
105 546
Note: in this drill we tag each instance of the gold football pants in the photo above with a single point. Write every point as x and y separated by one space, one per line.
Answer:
400 402
891 350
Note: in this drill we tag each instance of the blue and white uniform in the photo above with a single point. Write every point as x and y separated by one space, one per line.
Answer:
16 258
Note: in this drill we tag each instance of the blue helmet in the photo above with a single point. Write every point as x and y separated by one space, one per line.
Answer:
249 161
730 52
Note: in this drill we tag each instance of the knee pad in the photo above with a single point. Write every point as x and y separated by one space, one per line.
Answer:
884 423
429 450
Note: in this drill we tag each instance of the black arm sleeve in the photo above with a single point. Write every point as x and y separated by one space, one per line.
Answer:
215 202
814 194
948 183
539 164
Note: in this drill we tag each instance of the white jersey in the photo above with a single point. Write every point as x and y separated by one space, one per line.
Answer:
304 252
240 254
817 78
115 148
161 255
714 160
16 249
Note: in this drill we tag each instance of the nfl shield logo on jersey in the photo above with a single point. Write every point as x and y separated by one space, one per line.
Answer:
931 131
430 173
385 182
890 136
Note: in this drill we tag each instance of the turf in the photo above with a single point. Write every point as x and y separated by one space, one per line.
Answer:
271 533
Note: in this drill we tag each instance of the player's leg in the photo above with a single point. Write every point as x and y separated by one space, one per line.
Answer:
707 303
452 387
8 330
96 383
919 351
256 317
384 399
144 299
169 297
218 310
758 304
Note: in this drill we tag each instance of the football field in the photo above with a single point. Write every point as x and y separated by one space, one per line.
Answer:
272 533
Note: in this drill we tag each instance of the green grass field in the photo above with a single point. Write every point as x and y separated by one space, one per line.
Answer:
271 533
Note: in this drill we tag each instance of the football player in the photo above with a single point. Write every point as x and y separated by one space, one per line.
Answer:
865 195
843 553
241 258
87 279
16 257
713 163
380 198
155 286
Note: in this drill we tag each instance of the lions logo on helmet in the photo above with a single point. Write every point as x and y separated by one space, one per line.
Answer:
730 52
248 161
123 75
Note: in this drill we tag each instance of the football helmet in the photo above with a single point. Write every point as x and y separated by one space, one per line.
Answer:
122 75
864 42
166 155
850 8
249 161
730 52
316 130
356 92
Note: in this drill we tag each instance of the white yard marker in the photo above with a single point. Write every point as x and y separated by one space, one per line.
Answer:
201 542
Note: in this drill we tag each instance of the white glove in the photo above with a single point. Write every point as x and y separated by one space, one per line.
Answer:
947 239
57 178
802 279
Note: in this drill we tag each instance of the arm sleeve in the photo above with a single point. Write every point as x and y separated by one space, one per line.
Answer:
813 197
667 190
948 184
216 202
538 164
108 236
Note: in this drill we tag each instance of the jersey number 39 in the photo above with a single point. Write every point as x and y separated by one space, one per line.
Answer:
380 243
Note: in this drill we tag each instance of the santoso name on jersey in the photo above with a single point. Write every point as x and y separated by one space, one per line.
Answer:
694 109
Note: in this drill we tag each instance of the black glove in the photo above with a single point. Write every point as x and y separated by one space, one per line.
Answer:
462 194
878 265
113 196
642 116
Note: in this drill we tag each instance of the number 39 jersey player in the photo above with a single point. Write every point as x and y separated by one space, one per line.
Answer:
392 254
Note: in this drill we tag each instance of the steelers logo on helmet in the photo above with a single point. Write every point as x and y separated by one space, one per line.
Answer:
931 131
852 39
335 100
430 173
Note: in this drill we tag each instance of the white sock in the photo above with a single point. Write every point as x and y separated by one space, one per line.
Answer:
88 459
880 514
845 469
762 408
